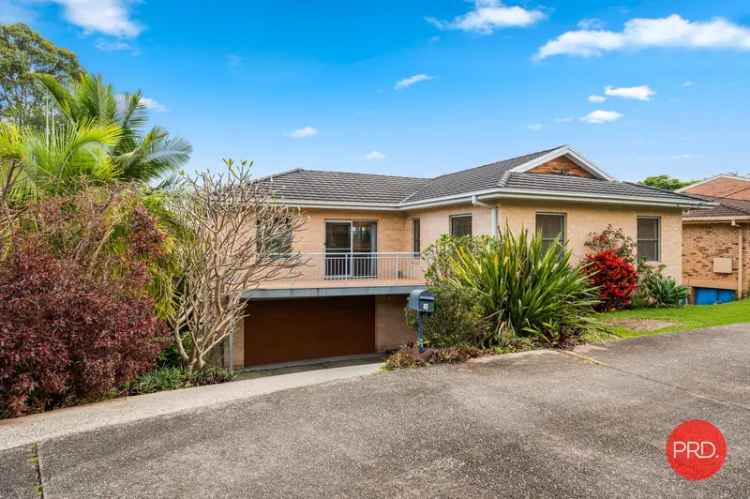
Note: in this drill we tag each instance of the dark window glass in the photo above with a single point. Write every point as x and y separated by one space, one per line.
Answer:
277 243
552 228
648 238
416 240
460 225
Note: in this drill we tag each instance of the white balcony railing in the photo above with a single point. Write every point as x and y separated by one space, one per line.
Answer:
355 266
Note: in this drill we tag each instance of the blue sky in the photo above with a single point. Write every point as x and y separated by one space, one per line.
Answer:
316 84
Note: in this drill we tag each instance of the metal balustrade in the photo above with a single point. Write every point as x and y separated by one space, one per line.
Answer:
356 266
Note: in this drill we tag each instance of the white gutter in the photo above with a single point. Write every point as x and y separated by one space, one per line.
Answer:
475 201
477 197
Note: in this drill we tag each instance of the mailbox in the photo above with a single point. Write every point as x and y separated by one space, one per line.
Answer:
422 301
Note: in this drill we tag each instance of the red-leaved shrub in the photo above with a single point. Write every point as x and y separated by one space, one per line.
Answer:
66 335
616 277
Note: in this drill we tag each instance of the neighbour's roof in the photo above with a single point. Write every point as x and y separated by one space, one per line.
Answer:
727 208
506 177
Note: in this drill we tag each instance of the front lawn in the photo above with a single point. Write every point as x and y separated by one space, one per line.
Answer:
679 319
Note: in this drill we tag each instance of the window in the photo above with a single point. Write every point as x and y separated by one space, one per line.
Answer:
416 242
460 225
648 238
552 228
275 238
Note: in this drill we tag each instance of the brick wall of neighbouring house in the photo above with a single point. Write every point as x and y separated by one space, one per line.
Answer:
704 242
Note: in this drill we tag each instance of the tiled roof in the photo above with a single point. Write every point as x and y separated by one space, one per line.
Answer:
727 208
402 192
474 179
313 185
579 185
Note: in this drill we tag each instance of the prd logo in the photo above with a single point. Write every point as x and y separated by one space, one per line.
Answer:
696 449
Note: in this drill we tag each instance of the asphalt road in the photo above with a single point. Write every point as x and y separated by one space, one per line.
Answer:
551 424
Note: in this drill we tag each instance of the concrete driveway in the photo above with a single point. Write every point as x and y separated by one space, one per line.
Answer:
549 424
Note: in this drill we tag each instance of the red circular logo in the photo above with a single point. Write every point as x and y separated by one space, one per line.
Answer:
696 449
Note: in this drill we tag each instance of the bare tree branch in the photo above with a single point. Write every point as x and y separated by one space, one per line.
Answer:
240 236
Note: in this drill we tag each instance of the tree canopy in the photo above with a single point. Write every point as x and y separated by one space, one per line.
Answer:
22 54
666 182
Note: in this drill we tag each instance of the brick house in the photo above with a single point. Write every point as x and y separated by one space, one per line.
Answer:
716 240
364 233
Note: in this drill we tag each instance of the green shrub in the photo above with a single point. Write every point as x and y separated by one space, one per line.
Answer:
523 288
172 378
657 290
458 319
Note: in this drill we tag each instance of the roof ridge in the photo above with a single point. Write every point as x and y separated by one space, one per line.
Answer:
359 173
493 163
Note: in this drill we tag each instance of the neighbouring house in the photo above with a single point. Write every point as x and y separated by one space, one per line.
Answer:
716 240
364 233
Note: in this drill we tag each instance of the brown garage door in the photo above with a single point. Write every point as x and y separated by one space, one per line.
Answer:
302 329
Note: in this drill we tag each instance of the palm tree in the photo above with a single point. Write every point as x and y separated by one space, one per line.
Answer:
138 155
33 164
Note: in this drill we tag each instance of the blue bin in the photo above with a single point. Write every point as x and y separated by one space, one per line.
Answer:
710 296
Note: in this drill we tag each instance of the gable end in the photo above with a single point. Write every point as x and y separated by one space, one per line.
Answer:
562 166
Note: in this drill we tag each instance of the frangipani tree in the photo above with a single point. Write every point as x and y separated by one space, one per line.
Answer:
239 236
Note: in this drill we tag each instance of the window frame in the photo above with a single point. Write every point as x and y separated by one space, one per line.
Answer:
562 239
416 236
638 238
452 219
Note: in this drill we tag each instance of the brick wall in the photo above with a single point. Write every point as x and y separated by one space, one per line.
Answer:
702 242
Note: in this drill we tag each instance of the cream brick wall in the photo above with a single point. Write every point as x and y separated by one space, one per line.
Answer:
393 232
391 331
584 219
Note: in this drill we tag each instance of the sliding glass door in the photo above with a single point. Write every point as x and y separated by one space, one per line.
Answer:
350 249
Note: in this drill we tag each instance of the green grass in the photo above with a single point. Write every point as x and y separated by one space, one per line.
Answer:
684 318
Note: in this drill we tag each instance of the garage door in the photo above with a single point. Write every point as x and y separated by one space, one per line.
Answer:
303 329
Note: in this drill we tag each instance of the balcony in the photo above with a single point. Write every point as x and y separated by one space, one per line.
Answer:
349 269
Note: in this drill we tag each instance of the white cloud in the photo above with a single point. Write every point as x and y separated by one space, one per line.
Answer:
688 83
591 23
374 156
535 127
110 17
111 46
153 105
642 92
598 99
304 132
601 116
412 80
671 31
489 15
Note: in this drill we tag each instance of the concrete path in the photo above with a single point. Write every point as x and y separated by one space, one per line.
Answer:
589 423
63 422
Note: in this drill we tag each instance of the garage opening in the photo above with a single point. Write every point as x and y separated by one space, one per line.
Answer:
294 330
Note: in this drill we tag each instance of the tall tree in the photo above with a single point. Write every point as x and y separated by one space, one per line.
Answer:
666 182
139 154
22 54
